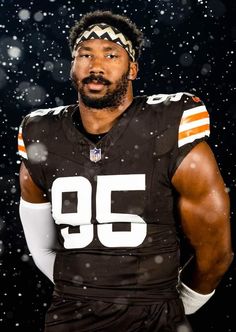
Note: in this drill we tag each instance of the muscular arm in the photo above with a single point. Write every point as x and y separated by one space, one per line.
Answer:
37 222
204 212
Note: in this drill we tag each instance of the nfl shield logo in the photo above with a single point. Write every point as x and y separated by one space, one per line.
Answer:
95 155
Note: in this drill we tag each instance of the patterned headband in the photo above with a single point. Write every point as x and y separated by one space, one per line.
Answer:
107 32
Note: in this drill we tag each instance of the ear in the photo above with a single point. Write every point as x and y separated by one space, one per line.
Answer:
71 67
133 71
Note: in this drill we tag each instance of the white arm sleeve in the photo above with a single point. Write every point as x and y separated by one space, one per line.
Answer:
40 234
192 300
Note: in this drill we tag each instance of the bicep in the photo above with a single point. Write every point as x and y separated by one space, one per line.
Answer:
203 200
30 192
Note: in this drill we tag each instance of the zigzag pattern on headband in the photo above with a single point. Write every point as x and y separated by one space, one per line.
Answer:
107 32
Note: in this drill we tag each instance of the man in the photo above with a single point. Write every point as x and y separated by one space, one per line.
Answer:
101 181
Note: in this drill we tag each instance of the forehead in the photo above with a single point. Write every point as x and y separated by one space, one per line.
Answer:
101 44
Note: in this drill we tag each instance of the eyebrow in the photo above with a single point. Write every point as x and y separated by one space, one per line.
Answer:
106 48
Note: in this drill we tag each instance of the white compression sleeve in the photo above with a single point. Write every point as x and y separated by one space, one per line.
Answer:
40 234
192 300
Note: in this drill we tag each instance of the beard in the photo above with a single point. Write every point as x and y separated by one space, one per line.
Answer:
112 98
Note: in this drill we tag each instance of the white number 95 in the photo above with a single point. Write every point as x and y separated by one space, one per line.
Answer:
105 185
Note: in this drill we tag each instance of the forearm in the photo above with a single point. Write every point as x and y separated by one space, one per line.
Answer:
204 274
40 234
199 279
44 260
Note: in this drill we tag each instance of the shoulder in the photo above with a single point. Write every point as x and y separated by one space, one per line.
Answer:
184 99
41 120
173 106
45 114
40 124
184 111
38 127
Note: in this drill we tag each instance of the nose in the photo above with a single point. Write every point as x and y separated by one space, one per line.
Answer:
96 66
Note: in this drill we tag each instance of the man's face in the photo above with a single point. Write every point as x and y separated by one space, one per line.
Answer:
100 72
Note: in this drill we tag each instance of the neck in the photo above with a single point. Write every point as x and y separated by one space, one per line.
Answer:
98 121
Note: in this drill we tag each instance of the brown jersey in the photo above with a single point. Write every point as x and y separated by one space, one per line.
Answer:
113 202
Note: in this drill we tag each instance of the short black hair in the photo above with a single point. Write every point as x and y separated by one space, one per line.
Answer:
121 22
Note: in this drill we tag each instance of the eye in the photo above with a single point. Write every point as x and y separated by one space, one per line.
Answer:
111 56
85 55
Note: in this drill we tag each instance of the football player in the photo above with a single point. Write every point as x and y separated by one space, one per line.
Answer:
108 182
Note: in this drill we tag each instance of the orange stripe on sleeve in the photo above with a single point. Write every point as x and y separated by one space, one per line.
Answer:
194 117
21 148
193 131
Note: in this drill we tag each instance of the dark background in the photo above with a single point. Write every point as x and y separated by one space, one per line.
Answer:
189 46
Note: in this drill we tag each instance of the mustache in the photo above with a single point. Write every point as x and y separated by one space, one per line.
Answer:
97 78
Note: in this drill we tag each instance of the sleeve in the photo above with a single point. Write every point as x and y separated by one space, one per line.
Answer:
31 153
21 145
40 234
192 127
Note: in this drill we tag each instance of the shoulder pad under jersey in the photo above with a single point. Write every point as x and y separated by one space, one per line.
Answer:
194 120
30 119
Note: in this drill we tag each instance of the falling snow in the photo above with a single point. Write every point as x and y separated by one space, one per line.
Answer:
188 46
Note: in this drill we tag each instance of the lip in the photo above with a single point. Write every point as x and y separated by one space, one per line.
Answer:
95 86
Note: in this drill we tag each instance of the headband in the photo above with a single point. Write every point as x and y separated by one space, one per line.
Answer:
107 32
